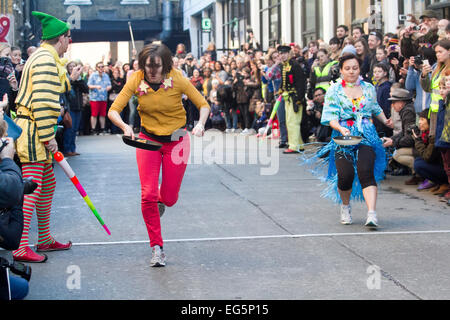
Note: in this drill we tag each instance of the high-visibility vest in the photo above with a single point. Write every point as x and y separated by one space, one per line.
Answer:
435 96
323 77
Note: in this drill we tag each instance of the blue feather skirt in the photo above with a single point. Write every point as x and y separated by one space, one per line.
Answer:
322 162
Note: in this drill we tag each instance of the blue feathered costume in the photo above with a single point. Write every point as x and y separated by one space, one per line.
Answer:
355 116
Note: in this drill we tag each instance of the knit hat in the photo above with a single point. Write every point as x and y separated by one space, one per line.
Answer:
51 26
394 41
348 49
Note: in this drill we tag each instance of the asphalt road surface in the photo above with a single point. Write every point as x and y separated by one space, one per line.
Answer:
244 228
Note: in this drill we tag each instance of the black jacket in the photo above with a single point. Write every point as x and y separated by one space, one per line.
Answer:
294 81
11 198
75 95
404 139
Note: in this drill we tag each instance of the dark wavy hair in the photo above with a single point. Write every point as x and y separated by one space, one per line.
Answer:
383 66
347 57
156 49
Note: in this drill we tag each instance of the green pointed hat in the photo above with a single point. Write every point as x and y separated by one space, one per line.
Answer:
51 26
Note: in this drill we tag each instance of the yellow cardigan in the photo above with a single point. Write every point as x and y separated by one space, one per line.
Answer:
161 112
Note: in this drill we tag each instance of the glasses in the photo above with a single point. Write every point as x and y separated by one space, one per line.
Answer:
100 67
318 95
151 66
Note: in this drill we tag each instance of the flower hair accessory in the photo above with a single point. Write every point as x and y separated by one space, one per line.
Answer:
167 84
142 88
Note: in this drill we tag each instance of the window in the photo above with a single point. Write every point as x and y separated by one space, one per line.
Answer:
270 17
236 18
312 22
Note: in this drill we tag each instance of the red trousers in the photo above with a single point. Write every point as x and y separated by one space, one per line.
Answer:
172 158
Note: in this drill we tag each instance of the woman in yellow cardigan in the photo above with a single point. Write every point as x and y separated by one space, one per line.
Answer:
159 88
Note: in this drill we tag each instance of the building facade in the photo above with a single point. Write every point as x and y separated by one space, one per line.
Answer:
108 20
13 27
299 21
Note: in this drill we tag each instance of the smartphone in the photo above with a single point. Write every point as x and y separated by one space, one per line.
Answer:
425 61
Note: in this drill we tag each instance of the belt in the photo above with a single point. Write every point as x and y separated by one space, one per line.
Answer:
175 136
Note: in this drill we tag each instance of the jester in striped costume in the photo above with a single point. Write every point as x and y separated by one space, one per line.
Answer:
44 79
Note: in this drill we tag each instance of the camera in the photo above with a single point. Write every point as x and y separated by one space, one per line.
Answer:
416 28
418 60
6 67
335 74
17 268
29 186
414 129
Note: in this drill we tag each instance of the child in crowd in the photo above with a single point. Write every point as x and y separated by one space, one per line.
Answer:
261 118
216 116
383 87
382 56
428 161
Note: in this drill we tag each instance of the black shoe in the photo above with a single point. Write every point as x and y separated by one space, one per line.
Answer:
400 172
283 145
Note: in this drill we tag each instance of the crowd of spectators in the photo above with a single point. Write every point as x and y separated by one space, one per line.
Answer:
241 86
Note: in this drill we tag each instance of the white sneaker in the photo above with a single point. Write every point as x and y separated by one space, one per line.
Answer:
228 131
233 130
158 257
244 132
346 215
372 221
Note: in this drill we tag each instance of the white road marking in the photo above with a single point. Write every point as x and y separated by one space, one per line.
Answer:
288 236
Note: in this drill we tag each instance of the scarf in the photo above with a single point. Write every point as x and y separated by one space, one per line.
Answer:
61 66
425 136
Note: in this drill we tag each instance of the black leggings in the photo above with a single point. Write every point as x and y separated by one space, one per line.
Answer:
364 167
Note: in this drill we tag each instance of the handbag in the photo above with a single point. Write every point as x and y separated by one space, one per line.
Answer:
67 120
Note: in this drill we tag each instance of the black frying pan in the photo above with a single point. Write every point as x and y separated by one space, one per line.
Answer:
142 143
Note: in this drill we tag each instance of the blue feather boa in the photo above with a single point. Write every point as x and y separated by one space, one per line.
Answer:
322 163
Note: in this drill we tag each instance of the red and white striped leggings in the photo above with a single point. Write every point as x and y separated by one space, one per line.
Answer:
41 199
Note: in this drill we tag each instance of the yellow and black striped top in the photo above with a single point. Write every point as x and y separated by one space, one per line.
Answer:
38 105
